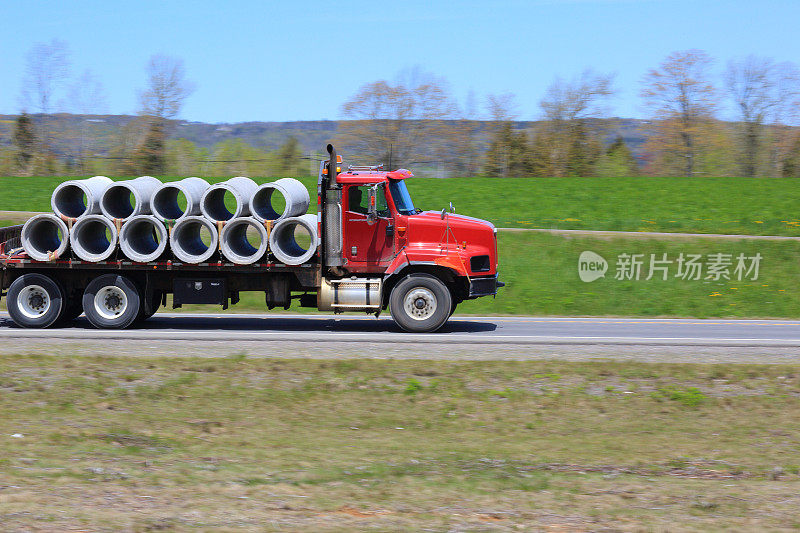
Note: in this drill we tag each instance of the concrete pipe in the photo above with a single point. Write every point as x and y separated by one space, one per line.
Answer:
93 238
166 202
125 199
283 241
45 237
239 189
143 238
236 247
76 198
187 240
295 200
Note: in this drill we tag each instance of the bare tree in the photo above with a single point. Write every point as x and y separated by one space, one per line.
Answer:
568 108
463 139
582 98
502 107
507 149
86 96
46 69
764 93
167 88
399 121
683 100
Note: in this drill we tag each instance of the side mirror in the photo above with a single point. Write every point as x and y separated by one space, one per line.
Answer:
444 213
372 211
452 208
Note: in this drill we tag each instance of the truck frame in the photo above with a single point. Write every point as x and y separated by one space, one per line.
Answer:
376 252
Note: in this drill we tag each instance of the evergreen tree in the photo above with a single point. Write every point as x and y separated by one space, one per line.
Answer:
25 142
617 160
583 151
791 163
289 155
150 157
508 154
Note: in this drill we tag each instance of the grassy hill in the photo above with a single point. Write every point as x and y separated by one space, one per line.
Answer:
541 269
698 205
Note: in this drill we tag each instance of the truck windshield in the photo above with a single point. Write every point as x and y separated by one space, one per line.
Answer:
402 200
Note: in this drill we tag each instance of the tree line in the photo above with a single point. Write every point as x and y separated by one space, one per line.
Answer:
414 121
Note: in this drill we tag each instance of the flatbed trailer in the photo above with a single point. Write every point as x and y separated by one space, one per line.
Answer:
419 265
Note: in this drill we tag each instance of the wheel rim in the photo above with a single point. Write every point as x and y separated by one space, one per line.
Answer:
33 301
419 303
110 302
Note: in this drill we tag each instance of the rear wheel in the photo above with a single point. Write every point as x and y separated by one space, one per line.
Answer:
155 303
420 303
111 302
34 301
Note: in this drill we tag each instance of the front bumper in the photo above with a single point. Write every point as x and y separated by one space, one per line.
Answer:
484 286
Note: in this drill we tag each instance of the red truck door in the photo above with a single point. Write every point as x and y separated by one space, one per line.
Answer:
367 244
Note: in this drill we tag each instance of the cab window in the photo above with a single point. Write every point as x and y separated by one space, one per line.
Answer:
358 200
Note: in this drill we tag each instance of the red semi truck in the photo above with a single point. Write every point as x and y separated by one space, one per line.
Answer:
376 251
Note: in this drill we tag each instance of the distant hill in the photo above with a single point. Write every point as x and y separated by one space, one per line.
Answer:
313 135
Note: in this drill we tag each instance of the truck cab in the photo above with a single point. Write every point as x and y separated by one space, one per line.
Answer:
426 262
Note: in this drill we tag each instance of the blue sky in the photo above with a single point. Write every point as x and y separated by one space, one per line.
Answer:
295 60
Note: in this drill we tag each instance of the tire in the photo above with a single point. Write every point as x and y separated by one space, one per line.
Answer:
420 303
34 301
154 305
111 301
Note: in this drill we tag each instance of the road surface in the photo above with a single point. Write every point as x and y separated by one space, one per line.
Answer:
461 330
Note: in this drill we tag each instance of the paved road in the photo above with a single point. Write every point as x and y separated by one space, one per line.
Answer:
231 328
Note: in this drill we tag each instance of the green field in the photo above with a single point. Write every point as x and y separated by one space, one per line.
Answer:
241 444
696 205
541 270
541 276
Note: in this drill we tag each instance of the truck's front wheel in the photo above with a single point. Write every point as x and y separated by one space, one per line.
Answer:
111 302
420 303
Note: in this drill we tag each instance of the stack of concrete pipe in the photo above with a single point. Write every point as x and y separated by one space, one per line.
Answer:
149 220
